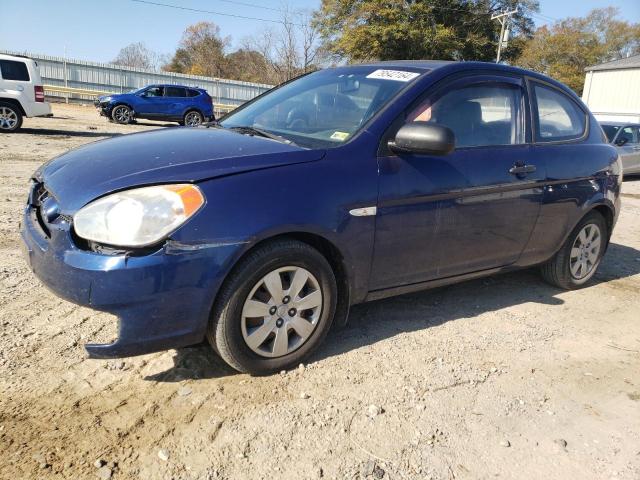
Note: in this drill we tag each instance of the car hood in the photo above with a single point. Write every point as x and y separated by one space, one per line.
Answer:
162 156
112 96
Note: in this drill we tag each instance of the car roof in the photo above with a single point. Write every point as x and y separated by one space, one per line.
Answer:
5 56
174 85
452 66
619 124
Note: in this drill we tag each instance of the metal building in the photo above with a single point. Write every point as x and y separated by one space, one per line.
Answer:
612 90
79 79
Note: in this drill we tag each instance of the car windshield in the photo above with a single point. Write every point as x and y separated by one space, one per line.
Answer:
325 108
610 131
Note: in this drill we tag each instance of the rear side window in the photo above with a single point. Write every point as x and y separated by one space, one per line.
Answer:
12 70
558 116
629 134
174 92
192 93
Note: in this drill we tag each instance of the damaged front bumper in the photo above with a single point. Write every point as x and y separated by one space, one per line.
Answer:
162 299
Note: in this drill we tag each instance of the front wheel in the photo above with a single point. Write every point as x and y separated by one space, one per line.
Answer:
578 259
10 118
192 119
121 114
275 308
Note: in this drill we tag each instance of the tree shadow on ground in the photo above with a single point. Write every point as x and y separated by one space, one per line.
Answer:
372 322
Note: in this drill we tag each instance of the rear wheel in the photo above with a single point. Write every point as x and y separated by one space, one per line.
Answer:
121 114
275 308
578 259
192 119
10 118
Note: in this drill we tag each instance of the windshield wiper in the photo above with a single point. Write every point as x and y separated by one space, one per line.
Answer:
263 133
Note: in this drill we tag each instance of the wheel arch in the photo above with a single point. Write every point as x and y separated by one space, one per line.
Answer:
121 102
16 103
192 108
328 249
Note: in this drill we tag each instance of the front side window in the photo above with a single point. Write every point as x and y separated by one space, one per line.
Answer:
558 116
154 92
174 92
12 70
325 108
479 115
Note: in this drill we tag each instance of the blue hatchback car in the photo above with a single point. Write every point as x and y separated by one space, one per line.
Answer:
345 185
188 106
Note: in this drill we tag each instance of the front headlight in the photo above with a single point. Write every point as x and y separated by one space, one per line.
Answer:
139 217
105 99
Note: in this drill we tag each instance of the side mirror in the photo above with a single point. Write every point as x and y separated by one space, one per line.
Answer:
621 141
423 138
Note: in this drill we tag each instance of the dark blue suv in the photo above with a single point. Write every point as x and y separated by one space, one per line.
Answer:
188 106
345 185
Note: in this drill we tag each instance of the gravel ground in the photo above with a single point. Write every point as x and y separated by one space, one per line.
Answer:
504 377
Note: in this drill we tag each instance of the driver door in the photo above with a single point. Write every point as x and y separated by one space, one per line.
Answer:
150 102
471 210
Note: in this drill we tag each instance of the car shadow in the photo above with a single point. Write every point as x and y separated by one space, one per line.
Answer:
372 322
154 124
66 133
194 363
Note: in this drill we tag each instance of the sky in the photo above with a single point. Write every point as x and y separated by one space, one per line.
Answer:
96 29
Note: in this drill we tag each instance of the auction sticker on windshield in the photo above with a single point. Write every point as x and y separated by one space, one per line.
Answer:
398 75
342 136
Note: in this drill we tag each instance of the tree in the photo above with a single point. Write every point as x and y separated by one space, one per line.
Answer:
246 65
565 49
291 49
201 51
361 30
137 55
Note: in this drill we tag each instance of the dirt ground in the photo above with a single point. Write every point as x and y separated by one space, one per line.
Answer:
504 377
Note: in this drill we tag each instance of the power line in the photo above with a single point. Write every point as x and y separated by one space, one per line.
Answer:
212 12
233 2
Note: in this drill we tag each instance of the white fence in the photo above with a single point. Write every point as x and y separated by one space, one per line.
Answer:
104 78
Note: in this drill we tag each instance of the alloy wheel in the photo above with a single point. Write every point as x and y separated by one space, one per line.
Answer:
585 251
8 118
281 311
122 114
192 119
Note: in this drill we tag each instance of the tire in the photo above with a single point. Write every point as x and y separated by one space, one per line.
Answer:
121 114
564 270
192 118
10 118
231 325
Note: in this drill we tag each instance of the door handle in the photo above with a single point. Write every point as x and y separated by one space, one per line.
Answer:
522 169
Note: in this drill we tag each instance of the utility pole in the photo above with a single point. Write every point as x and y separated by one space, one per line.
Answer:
503 18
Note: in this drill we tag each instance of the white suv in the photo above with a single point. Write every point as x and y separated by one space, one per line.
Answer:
21 92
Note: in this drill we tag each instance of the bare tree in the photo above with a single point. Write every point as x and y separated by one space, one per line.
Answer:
290 49
139 56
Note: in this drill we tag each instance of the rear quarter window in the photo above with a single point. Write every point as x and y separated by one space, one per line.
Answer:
192 93
14 70
558 117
